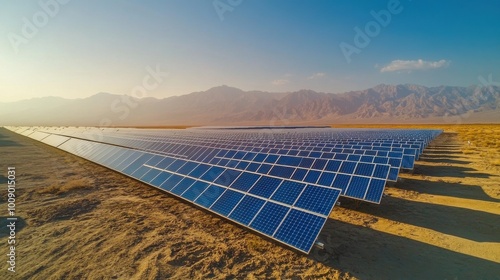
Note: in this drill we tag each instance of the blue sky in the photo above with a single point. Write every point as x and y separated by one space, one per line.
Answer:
79 48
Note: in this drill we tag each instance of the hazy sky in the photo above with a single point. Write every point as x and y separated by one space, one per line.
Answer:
78 48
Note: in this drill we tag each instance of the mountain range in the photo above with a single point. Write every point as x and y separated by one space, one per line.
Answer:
226 105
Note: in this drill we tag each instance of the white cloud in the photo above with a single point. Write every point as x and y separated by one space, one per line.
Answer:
280 82
409 65
316 76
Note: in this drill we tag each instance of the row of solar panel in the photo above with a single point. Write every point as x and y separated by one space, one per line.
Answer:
396 159
290 212
364 181
187 136
410 149
229 162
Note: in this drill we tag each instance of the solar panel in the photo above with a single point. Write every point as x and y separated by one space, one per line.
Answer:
280 184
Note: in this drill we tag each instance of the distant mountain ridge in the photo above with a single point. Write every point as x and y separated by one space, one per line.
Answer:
226 105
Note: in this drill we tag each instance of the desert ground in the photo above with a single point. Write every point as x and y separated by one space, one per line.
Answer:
82 221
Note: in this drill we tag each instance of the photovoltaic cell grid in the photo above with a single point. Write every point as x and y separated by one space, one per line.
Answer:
326 147
281 184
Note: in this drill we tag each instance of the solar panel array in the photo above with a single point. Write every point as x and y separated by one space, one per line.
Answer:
282 183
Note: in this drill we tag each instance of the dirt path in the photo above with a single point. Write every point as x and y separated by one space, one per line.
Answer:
84 221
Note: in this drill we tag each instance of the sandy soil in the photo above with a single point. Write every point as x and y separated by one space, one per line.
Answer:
82 221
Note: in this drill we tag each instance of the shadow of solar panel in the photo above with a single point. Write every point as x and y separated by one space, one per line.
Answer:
269 218
300 229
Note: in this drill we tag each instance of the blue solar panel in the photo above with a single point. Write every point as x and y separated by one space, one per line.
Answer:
171 182
282 171
227 177
317 199
393 174
195 190
357 187
341 181
212 173
365 169
347 167
265 186
246 209
300 229
381 171
245 181
269 217
375 190
312 176
225 170
333 165
264 168
288 192
227 202
158 180
209 196
182 186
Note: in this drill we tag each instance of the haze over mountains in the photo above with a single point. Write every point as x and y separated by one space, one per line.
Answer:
225 105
